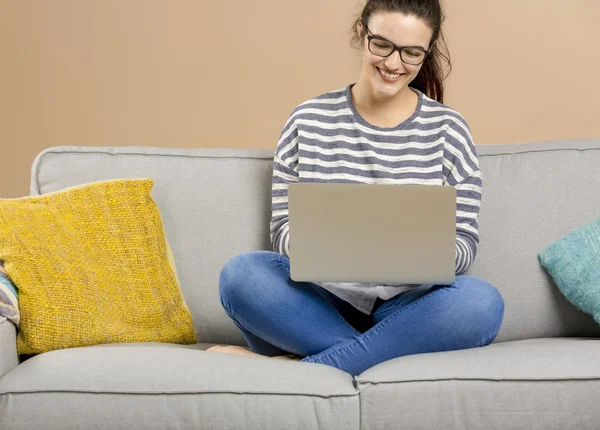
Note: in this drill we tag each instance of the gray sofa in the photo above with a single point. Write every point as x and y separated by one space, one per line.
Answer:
542 371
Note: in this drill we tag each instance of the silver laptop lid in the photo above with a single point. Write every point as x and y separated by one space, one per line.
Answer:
393 234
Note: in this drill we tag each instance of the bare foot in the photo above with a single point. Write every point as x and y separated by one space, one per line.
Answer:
291 357
241 350
233 349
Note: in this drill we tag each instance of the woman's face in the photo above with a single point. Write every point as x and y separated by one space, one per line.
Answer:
387 76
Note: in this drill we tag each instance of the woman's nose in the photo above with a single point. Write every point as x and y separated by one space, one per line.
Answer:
394 62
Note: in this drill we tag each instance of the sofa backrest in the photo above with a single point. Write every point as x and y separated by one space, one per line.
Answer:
215 203
533 195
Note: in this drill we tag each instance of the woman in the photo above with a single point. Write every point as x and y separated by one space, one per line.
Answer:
390 127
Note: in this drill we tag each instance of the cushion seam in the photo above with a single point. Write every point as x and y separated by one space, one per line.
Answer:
267 157
39 161
161 393
71 151
595 378
539 150
165 155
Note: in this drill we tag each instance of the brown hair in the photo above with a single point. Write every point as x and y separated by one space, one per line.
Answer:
430 78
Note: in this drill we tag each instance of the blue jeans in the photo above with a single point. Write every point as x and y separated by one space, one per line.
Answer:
279 316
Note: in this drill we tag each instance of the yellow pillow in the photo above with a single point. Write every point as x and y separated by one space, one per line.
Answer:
91 265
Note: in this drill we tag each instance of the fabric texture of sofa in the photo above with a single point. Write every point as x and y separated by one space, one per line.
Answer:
541 372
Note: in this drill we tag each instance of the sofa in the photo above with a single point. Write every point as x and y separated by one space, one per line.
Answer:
541 372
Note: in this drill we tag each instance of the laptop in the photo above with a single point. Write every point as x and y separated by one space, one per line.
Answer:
372 233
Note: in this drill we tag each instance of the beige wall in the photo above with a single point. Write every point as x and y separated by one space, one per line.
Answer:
189 74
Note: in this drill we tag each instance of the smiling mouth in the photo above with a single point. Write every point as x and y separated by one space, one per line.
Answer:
389 76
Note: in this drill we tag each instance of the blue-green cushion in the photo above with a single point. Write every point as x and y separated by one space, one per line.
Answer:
573 262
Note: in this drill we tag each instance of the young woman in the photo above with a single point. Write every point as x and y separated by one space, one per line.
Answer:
390 127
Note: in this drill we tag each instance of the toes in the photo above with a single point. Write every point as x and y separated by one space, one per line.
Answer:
214 348
287 357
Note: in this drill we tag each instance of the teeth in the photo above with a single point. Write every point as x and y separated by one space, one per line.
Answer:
389 75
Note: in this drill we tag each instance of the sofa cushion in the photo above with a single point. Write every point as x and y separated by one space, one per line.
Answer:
91 266
534 194
574 264
8 349
552 383
216 204
159 386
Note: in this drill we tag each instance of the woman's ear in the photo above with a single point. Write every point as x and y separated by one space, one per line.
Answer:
360 28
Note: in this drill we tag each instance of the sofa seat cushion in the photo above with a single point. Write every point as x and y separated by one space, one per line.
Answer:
159 386
8 349
552 382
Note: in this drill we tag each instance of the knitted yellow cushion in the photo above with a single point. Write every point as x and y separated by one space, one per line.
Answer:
91 266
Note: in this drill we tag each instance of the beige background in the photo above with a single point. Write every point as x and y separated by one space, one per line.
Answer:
189 74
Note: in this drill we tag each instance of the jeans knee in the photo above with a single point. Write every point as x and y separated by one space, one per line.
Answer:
231 275
485 302
493 302
236 280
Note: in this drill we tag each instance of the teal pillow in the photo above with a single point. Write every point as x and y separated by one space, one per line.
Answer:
573 262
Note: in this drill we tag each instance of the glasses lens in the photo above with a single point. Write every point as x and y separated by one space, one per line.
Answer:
380 47
413 56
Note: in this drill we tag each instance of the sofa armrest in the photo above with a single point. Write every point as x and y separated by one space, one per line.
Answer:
8 346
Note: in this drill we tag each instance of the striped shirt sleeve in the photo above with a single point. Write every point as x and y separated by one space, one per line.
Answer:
461 170
285 172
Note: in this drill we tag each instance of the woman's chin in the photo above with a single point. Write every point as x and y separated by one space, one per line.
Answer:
386 90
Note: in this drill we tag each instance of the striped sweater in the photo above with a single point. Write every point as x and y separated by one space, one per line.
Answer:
326 140
9 306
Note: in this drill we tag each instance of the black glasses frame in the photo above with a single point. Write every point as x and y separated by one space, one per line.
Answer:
370 37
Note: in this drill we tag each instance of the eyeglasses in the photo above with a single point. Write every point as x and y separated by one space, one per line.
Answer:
381 47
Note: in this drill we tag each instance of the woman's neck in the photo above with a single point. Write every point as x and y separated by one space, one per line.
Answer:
383 111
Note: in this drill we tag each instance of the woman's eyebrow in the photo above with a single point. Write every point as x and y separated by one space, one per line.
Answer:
381 37
388 40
